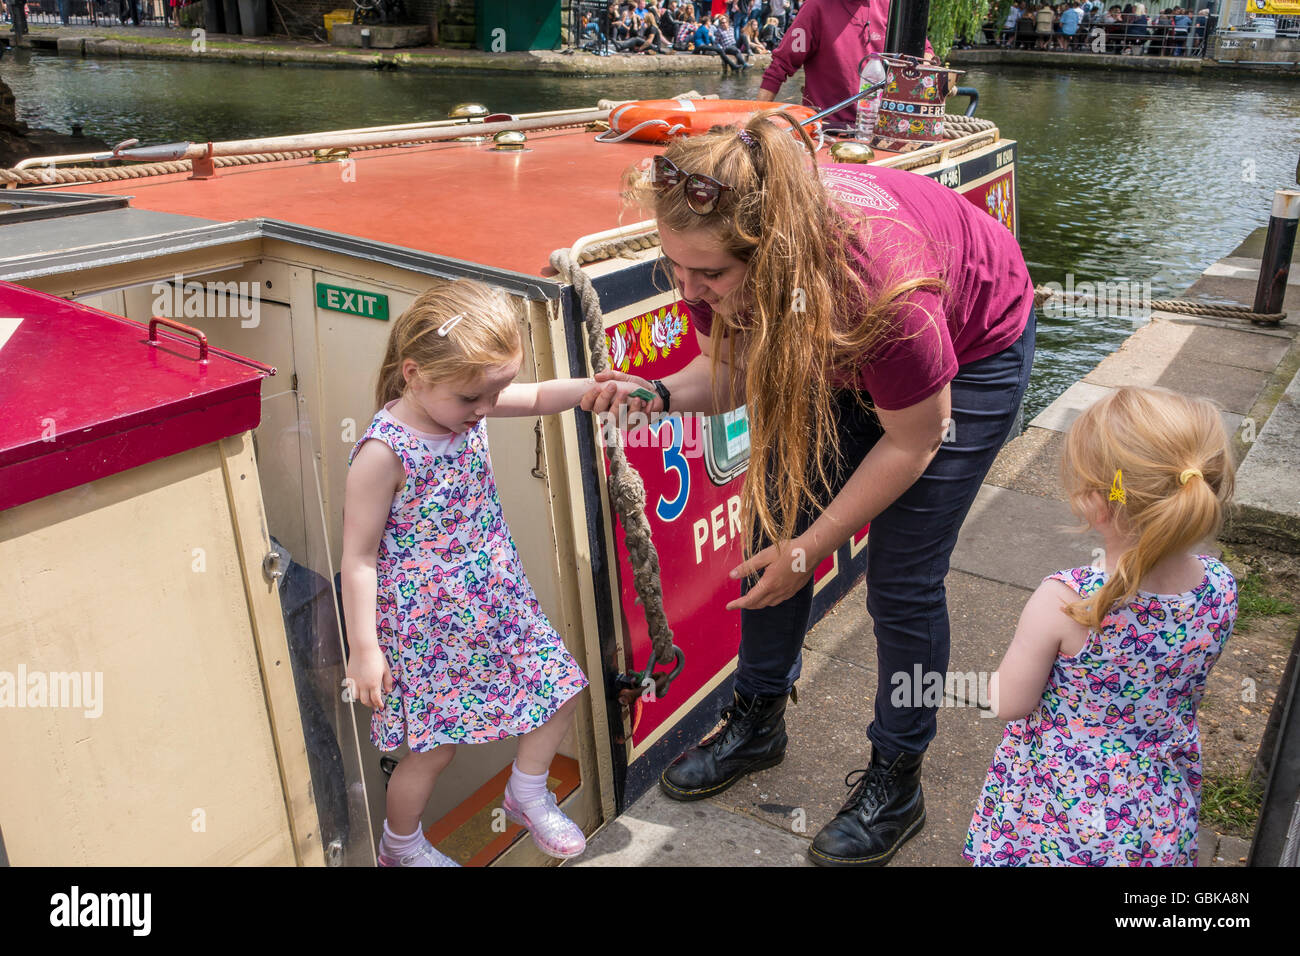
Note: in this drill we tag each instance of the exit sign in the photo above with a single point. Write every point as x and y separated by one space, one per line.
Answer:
370 305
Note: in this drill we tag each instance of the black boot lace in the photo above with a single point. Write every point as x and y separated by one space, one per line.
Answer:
735 721
870 791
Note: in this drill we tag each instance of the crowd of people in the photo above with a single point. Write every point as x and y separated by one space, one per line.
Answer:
745 28
1089 25
123 12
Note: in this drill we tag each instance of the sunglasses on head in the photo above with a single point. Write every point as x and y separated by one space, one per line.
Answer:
702 192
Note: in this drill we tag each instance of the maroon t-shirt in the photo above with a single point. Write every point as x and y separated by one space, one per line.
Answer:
920 227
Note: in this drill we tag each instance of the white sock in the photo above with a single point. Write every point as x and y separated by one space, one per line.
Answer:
526 787
401 845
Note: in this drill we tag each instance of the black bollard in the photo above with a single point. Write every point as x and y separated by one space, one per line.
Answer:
1278 246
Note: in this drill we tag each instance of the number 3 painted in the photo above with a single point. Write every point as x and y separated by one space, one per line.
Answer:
673 461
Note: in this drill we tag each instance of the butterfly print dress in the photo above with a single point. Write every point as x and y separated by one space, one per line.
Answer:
1107 770
473 657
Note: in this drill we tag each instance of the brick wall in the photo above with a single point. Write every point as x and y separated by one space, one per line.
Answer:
452 20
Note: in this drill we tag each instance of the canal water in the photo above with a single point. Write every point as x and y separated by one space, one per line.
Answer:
1123 177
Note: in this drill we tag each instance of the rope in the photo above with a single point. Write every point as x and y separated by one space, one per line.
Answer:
1178 306
626 490
673 130
96 174
955 126
103 174
619 248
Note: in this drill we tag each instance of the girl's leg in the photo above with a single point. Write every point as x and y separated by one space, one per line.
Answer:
537 749
412 784
527 800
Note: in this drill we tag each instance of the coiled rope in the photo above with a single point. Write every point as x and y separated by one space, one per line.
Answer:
627 492
956 126
1178 306
619 248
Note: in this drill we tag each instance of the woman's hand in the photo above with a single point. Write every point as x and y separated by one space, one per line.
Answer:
786 569
368 674
614 389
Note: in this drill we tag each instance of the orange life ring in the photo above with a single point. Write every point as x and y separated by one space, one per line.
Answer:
658 121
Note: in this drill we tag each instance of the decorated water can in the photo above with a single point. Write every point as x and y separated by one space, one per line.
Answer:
911 110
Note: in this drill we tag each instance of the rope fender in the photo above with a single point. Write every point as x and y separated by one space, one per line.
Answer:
627 493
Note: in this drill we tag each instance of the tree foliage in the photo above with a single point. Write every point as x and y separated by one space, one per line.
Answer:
950 19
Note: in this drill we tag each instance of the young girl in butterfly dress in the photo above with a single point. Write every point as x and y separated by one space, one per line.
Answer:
1100 764
448 643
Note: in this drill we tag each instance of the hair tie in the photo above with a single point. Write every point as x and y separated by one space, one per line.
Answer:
1117 487
748 140
1189 474
450 324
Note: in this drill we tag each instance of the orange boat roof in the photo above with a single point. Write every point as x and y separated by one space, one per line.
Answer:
462 200
465 201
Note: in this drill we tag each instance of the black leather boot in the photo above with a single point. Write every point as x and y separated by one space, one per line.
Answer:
884 810
752 737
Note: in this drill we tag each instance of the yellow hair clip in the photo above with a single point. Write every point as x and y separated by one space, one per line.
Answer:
1189 474
1117 487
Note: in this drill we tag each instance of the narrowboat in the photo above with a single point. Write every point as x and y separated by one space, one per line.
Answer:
187 356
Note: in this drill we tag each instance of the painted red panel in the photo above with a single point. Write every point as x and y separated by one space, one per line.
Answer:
693 519
85 395
997 197
694 515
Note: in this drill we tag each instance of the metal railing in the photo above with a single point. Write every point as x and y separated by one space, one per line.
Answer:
589 27
93 12
1158 37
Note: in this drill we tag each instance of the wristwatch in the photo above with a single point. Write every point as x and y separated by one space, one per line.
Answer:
662 389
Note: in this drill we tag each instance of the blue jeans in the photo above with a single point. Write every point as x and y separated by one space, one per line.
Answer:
908 550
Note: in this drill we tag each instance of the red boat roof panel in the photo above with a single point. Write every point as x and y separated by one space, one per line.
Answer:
85 395
465 201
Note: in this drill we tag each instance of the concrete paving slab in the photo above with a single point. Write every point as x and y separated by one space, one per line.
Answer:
657 831
1031 464
986 550
1223 850
828 739
1268 481
1269 477
1252 247
1069 405
1242 347
1234 267
845 633
982 615
1225 366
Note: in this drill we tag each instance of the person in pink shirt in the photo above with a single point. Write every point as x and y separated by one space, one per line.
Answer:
829 39
879 330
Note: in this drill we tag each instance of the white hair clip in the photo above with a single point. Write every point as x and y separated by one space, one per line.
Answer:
450 324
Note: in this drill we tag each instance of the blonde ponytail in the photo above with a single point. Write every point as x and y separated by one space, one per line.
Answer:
1177 478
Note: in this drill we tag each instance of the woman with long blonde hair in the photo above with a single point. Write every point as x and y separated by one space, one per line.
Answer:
878 328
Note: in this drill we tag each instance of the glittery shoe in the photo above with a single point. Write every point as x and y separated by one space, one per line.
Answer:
423 855
554 833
